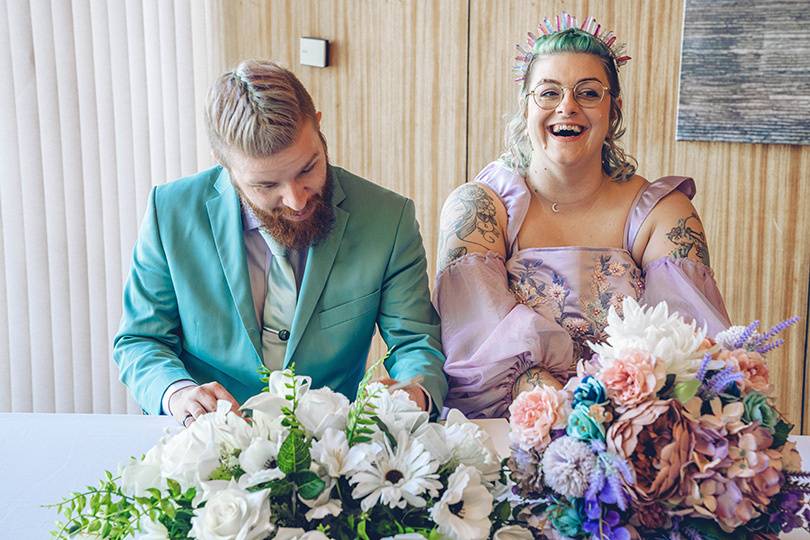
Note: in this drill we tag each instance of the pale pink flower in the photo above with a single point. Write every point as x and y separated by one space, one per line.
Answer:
753 367
632 378
535 413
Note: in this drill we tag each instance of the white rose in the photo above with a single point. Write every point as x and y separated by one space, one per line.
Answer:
513 532
191 455
321 409
230 429
141 474
231 513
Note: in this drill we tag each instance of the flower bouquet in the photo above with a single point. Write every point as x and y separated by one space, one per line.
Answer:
662 434
304 464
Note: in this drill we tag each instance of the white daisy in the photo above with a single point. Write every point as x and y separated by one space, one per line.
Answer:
463 511
396 476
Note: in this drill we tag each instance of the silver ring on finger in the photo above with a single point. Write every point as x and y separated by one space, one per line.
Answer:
186 419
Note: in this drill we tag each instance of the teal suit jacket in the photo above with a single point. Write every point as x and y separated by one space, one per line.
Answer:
188 310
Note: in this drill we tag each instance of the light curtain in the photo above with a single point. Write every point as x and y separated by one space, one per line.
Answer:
99 100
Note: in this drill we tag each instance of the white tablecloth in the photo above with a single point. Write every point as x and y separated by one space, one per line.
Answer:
44 457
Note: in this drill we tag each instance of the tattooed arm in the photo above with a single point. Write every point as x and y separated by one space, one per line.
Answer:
473 221
675 230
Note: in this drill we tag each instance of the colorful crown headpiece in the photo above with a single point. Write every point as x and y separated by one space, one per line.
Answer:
563 22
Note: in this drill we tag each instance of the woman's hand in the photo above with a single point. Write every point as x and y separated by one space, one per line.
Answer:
534 377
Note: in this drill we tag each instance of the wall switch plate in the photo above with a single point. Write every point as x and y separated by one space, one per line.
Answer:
314 52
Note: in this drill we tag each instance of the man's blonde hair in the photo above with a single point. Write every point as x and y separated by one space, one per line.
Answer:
256 109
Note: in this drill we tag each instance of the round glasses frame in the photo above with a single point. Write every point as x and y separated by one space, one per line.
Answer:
548 104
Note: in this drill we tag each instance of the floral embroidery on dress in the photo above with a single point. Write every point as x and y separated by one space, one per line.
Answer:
584 319
525 287
603 294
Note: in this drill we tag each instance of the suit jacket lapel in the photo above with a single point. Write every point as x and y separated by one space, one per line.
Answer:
319 263
225 215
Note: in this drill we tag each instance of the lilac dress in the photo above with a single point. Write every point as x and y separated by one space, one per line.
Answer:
540 306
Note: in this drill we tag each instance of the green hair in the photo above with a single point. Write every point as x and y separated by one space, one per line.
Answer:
615 162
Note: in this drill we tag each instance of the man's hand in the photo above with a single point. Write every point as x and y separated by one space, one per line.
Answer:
415 392
190 402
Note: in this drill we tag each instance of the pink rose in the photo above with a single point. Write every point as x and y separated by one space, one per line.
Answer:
753 367
633 378
535 413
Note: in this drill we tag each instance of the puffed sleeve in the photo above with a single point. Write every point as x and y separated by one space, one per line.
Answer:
688 287
489 338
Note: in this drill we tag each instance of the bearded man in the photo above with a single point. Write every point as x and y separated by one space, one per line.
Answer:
271 257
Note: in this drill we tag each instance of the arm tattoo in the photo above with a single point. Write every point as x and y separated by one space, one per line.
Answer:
685 239
475 211
451 255
472 211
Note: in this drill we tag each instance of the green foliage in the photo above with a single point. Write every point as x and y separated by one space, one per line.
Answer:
264 376
294 456
108 512
686 390
781 431
362 412
290 420
310 486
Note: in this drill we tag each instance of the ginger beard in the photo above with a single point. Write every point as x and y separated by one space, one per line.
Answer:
294 234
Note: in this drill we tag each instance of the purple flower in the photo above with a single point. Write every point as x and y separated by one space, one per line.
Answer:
608 528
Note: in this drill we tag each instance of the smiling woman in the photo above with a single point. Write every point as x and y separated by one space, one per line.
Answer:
537 249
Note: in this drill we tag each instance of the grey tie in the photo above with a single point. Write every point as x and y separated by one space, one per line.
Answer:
279 305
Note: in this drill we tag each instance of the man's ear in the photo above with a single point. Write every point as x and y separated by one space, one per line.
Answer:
619 102
318 116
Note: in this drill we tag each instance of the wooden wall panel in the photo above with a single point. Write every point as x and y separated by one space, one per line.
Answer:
394 97
754 199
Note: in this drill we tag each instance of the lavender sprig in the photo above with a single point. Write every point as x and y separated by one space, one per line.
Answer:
746 335
761 343
775 330
719 382
704 366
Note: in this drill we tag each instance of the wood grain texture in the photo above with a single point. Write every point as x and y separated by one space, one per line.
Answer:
394 97
745 72
754 199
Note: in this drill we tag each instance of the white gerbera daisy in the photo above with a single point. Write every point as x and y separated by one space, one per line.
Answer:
396 476
463 511
655 331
